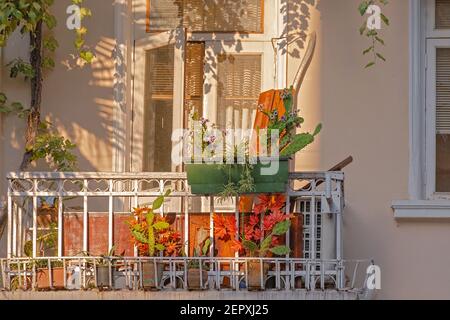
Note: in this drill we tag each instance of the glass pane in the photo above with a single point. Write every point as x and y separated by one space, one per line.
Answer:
443 120
442 14
158 112
239 86
207 16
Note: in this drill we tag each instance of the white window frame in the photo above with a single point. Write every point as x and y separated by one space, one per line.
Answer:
430 144
423 202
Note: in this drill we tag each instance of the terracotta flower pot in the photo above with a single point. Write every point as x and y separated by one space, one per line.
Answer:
254 273
43 281
193 278
152 273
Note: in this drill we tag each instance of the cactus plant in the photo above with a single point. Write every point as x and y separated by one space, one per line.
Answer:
146 226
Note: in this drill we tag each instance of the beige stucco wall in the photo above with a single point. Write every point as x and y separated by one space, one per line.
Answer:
364 113
79 101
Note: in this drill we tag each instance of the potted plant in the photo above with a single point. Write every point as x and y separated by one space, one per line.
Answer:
47 242
197 271
261 236
153 237
43 273
214 174
104 269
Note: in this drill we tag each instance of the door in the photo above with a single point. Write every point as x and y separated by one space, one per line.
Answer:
158 100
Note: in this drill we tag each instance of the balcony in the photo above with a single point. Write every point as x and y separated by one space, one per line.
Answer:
88 222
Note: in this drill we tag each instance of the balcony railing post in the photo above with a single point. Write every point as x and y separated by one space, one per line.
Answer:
110 215
9 227
60 226
85 216
35 204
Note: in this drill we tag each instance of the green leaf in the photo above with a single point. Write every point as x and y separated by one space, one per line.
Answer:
381 57
281 228
161 225
250 245
368 50
160 247
363 7
139 236
206 246
265 245
280 250
158 203
317 130
150 217
385 19
299 142
380 40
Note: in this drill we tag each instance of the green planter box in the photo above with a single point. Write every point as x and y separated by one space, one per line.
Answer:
209 179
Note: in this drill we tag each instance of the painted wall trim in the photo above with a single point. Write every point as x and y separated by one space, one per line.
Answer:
122 89
417 100
421 209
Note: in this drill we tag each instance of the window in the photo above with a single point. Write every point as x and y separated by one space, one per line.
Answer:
206 16
438 99
239 80
192 67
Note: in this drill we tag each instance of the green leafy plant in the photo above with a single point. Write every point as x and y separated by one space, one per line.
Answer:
374 35
151 232
85 53
290 142
34 17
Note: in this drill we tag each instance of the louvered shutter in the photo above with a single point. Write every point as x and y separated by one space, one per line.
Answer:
206 16
194 78
443 90
239 86
442 14
442 119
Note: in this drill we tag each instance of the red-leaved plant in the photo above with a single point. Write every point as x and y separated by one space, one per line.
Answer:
261 233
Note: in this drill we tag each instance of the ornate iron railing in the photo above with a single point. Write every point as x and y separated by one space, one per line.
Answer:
318 196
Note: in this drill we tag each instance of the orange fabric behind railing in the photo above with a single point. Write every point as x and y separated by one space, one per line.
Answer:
270 101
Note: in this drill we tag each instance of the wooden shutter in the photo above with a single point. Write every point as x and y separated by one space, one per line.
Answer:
239 86
194 78
443 90
442 13
206 16
443 120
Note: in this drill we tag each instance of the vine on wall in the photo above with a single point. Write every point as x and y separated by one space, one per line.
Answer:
371 28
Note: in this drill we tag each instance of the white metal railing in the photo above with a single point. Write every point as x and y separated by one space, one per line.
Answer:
322 191
221 273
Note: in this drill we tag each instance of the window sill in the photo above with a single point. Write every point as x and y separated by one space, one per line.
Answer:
421 209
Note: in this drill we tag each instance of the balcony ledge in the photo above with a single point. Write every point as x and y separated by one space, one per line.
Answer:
421 209
181 295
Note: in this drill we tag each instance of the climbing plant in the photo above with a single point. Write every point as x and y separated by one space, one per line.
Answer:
35 19
372 33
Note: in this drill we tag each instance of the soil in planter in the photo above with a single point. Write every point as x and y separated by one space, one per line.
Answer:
43 281
254 275
150 275
193 279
